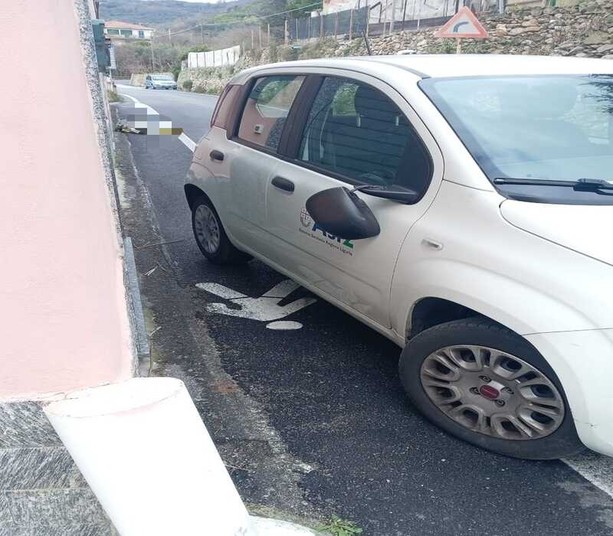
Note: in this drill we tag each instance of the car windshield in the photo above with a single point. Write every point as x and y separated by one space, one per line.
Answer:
532 127
164 77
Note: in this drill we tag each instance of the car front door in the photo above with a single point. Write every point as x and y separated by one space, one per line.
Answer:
358 131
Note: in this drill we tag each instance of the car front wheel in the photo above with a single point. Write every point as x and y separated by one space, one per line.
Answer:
211 236
487 385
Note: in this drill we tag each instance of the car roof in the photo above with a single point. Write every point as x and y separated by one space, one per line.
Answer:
454 65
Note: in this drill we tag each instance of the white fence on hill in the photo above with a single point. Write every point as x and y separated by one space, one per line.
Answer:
214 58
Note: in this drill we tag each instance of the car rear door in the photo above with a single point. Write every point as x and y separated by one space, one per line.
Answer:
254 157
352 130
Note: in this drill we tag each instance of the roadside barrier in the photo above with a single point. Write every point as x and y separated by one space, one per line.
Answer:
149 459
152 464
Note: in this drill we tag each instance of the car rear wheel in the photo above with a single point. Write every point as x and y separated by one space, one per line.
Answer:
487 385
211 236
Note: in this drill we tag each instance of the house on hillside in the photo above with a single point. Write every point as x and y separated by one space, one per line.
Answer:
115 29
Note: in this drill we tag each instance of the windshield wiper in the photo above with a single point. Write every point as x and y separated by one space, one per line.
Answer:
592 185
580 185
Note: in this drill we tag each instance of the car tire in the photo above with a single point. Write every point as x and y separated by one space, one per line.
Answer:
445 371
211 236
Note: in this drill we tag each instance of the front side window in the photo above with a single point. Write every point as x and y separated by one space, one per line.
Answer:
357 132
267 108
535 130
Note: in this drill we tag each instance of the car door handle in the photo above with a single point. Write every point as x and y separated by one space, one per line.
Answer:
283 184
216 155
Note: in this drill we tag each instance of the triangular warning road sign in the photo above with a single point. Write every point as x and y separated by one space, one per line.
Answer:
463 24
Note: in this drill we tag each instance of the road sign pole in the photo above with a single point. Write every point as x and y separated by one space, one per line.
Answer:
458 47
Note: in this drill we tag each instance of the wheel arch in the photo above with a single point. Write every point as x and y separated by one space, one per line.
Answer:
453 290
192 193
432 311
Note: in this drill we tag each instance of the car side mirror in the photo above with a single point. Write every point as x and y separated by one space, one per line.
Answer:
340 212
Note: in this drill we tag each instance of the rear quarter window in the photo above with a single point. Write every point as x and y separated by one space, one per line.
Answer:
225 106
266 110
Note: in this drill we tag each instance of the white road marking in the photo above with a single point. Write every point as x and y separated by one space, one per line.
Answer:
221 291
187 141
284 325
183 138
266 308
281 290
596 469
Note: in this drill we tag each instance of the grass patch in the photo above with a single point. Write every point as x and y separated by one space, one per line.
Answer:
113 96
341 527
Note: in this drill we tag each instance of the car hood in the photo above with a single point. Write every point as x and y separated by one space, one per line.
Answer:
582 228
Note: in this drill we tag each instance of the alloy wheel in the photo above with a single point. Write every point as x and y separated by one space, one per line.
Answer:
492 392
207 228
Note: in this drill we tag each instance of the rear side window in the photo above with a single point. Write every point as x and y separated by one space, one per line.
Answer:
267 108
224 107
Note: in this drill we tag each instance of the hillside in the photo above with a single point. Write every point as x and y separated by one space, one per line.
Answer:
161 12
178 15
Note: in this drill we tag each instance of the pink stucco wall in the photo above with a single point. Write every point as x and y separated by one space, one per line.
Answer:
63 318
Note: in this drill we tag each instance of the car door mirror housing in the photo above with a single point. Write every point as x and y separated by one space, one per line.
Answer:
341 213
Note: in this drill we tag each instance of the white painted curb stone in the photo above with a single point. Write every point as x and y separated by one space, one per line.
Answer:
149 459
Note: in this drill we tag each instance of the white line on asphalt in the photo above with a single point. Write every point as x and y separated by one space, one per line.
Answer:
596 469
221 291
284 325
187 141
265 308
183 138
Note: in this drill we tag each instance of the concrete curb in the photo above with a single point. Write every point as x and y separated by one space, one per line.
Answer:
135 308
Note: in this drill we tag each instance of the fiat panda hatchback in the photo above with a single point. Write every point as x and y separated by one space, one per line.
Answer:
462 206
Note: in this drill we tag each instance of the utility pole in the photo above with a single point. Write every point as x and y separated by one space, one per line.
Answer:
321 25
169 37
286 32
386 16
268 32
152 55
202 33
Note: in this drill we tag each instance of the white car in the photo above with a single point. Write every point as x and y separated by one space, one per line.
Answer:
160 81
462 206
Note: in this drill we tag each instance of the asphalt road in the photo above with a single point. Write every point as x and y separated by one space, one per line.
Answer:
327 396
